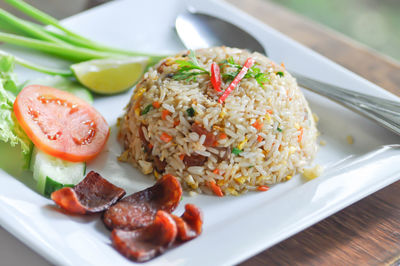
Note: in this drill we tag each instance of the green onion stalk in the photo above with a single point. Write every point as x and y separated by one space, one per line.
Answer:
65 43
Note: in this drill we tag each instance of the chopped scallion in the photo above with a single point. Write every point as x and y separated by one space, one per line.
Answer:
146 109
280 73
236 151
191 112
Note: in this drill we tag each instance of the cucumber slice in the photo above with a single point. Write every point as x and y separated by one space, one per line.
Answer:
53 173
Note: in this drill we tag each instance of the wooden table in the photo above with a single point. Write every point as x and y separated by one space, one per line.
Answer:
367 232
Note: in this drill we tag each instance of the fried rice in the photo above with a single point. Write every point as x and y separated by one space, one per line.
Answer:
262 134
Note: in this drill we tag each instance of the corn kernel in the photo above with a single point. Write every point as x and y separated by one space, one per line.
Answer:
156 175
193 185
221 182
241 179
137 112
268 117
139 93
232 191
312 173
215 127
190 181
241 144
222 113
288 177
260 178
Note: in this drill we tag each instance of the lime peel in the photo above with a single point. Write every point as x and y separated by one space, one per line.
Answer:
110 75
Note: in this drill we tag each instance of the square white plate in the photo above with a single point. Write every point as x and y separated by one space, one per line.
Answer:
235 228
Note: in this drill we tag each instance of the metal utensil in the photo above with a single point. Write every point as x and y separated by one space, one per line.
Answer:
198 30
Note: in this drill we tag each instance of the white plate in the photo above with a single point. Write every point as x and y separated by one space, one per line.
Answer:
235 228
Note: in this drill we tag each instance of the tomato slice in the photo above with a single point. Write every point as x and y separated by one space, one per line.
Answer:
60 123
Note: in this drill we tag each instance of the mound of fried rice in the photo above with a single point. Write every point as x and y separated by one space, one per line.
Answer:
260 135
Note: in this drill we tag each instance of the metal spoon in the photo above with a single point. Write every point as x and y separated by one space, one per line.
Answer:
198 30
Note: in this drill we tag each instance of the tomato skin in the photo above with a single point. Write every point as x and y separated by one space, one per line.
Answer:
60 123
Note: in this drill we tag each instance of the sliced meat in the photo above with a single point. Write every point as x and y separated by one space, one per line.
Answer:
210 137
145 243
138 210
159 165
190 223
194 160
92 194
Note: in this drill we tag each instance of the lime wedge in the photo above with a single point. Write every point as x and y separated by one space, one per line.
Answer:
110 75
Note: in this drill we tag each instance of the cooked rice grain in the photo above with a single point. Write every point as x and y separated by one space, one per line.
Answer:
288 133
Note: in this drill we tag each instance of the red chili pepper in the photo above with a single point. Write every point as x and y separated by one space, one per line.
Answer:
248 64
215 77
262 188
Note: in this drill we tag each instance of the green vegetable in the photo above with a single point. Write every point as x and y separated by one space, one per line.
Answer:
191 112
52 173
187 69
280 73
253 72
146 109
280 130
63 43
236 151
10 130
52 185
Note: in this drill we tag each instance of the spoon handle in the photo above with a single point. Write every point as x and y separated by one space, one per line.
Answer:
382 111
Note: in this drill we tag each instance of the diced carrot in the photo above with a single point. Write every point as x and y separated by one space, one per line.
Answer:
283 64
156 104
223 136
270 112
258 124
262 188
216 171
177 122
181 157
215 144
300 137
165 137
164 114
259 138
150 146
215 188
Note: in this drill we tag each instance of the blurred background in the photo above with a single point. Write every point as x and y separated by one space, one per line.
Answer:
374 23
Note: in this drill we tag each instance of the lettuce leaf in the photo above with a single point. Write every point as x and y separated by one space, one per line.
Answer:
10 130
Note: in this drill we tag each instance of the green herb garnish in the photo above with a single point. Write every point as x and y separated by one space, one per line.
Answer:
146 109
280 73
253 72
236 151
188 69
280 130
191 112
